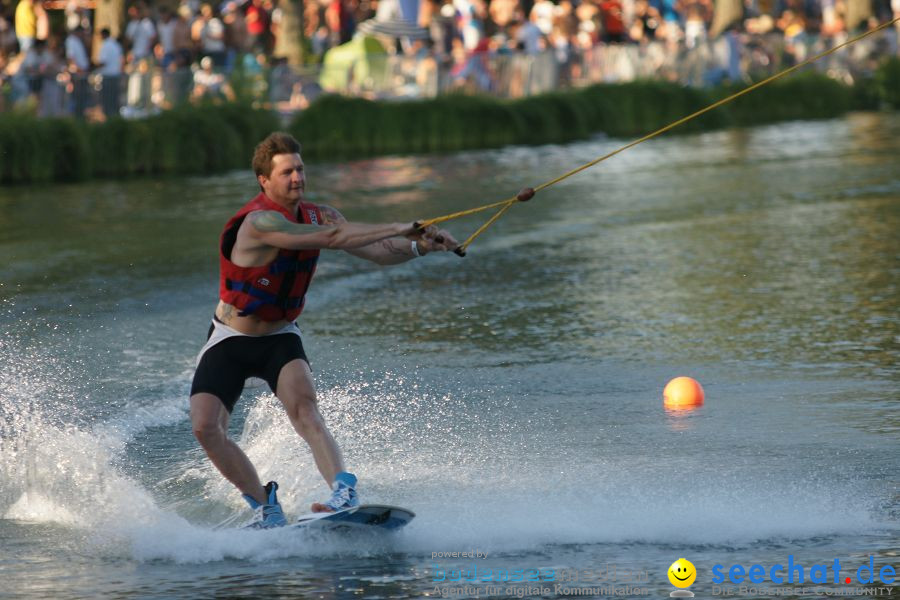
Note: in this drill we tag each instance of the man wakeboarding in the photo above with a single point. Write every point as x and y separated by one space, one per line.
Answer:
267 256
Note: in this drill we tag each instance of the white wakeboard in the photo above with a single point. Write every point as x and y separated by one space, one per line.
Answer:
368 516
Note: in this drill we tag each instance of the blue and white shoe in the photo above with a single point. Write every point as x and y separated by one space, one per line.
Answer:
267 515
343 495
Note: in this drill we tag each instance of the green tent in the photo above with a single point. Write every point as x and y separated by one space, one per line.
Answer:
361 63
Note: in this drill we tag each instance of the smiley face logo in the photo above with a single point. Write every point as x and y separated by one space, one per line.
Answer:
682 573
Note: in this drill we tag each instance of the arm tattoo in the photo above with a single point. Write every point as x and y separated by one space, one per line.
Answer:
272 221
332 216
392 248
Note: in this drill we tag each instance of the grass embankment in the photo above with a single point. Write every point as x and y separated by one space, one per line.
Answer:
185 141
198 140
338 127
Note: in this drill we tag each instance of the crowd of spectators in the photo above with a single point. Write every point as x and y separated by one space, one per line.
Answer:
56 65
56 59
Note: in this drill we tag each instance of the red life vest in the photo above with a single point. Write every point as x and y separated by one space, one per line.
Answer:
275 291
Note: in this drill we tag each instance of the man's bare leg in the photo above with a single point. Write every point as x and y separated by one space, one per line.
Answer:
209 419
298 395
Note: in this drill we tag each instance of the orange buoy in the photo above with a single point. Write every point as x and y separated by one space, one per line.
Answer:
683 393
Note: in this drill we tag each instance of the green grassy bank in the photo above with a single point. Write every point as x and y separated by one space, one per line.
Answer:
189 140
338 127
198 140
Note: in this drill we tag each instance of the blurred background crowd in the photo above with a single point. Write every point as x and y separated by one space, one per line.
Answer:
99 58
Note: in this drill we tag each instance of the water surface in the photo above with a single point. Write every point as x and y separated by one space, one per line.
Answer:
511 398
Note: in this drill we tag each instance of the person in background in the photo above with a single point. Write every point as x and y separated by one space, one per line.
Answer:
502 14
542 15
26 25
470 22
140 33
181 39
52 65
236 36
79 66
276 13
339 19
528 36
165 29
258 22
613 22
697 13
30 71
210 85
208 33
42 28
75 16
110 60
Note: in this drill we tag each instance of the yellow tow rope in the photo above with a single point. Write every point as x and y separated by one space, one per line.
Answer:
527 193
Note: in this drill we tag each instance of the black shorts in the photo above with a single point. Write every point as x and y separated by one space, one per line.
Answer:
226 366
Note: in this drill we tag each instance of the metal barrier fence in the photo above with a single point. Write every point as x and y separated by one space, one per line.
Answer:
148 88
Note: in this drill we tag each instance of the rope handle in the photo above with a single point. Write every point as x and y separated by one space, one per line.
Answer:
524 195
420 227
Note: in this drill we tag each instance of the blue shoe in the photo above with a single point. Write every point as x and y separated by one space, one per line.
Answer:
267 515
343 495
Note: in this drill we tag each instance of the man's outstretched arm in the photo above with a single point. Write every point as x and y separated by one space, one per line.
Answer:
273 229
395 250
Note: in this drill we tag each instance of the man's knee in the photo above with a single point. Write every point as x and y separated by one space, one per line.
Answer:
208 433
297 393
304 414
305 408
207 420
